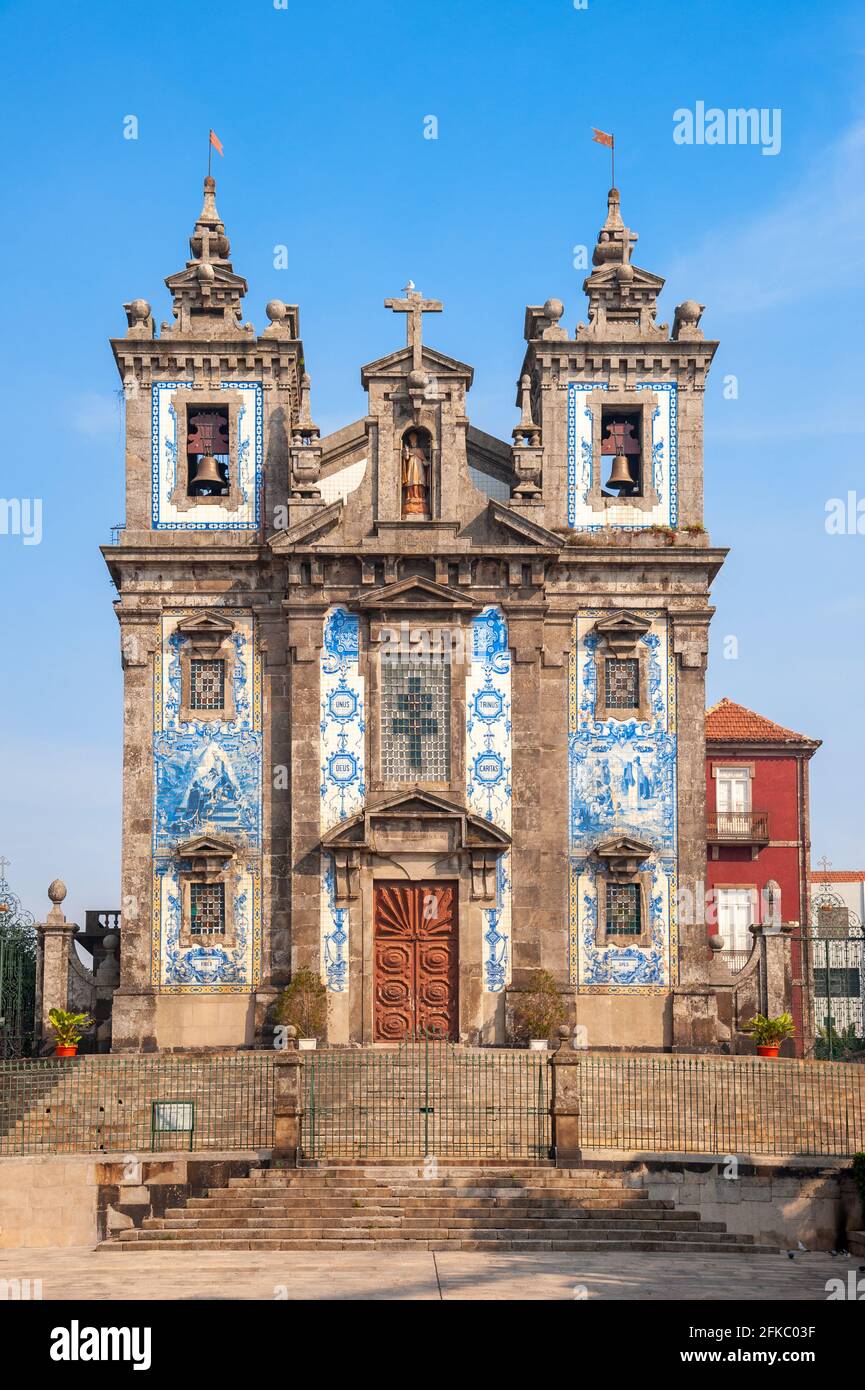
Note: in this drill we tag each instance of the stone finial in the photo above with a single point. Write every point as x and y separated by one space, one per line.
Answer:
305 448
57 891
207 294
615 240
622 297
686 321
139 318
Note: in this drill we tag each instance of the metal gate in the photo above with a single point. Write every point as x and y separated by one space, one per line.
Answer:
427 1098
17 972
17 996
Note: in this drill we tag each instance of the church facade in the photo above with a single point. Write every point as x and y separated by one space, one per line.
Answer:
409 705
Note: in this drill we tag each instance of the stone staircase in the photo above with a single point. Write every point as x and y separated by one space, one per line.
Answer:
509 1206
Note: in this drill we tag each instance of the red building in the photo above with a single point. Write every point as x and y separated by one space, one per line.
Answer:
757 827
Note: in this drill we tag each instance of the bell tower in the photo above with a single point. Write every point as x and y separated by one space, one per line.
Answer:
211 410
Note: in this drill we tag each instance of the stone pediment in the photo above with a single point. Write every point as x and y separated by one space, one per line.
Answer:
415 815
415 593
206 848
622 630
522 528
622 853
399 363
309 528
208 629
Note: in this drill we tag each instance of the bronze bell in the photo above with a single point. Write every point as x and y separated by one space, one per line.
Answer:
208 474
620 473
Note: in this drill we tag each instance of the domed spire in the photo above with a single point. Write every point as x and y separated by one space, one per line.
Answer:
207 295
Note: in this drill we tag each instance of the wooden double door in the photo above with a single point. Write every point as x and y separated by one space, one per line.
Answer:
416 960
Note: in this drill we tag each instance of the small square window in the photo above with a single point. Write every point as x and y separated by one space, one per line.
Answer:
622 682
207 909
207 684
623 909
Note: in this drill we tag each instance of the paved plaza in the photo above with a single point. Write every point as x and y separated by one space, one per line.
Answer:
421 1275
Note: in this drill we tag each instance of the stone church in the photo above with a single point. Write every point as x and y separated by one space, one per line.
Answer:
415 707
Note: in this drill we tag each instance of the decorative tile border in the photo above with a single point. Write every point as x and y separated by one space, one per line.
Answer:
164 447
488 772
342 748
665 463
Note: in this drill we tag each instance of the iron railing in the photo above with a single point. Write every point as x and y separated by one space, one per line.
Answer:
432 1099
429 1097
117 1103
737 827
718 1105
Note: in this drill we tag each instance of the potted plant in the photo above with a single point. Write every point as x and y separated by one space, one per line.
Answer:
303 1004
769 1033
69 1029
540 1011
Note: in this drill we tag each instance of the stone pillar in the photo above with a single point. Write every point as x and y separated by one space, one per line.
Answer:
565 1087
696 1025
133 1022
54 937
288 1103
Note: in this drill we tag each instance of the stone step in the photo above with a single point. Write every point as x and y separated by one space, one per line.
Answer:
399 1237
648 1246
156 1223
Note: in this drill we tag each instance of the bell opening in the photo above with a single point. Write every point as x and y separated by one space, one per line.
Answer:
207 452
620 451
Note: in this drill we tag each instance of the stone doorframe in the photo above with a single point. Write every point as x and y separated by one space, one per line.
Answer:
415 836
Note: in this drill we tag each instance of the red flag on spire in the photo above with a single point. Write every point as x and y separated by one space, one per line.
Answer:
599 136
216 142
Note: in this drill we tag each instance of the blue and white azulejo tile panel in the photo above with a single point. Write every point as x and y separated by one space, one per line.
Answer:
664 462
488 773
207 780
622 780
342 746
167 457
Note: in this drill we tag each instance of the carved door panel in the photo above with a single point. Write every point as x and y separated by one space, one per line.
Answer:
416 961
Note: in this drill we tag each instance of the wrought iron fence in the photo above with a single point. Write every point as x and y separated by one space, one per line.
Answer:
718 1105
117 1104
429 1097
432 1099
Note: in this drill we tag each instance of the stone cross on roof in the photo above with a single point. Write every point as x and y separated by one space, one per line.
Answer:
414 305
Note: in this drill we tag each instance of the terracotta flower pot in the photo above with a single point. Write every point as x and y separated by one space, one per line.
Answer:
71 1051
767 1049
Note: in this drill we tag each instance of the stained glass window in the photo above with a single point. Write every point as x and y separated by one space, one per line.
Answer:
207 909
415 721
622 682
623 909
207 681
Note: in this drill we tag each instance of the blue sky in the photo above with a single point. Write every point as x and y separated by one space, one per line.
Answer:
320 107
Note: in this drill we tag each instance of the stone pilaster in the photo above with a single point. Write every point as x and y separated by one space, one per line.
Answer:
134 1009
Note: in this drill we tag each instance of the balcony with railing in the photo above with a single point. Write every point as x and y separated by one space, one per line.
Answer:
738 828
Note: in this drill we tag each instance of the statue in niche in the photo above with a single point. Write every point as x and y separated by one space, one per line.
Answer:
415 474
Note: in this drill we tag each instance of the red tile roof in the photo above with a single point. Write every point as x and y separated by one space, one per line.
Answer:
727 722
838 876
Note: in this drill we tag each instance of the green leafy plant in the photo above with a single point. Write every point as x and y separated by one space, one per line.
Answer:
832 1045
540 1011
68 1028
303 1004
770 1032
